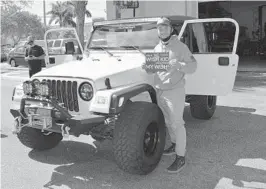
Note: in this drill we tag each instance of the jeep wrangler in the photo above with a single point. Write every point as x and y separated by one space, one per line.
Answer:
107 95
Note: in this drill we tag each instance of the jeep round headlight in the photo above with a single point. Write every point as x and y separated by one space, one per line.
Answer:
27 87
86 91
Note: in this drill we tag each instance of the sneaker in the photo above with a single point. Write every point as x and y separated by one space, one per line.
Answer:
177 165
170 151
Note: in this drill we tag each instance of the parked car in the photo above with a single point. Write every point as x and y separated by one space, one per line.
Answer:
20 43
24 43
16 56
5 49
57 46
3 56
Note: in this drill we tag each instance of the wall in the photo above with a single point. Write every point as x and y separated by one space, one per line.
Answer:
263 18
245 13
156 8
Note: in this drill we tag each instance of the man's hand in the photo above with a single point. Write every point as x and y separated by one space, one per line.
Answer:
174 65
143 66
28 58
34 58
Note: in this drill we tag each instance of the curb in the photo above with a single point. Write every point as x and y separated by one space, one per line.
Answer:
253 71
14 78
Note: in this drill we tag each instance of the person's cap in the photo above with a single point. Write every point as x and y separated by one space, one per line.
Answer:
30 39
164 21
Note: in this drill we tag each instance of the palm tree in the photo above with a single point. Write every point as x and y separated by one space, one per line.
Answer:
80 13
62 13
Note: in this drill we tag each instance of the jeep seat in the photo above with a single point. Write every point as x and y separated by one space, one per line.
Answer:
70 48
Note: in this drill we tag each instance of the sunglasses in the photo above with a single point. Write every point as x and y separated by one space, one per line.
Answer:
163 27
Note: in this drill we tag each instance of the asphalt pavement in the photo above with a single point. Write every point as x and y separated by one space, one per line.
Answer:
226 152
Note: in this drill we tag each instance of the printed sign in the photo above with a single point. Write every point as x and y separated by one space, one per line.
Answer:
157 61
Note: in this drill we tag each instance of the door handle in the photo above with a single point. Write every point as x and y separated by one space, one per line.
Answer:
223 61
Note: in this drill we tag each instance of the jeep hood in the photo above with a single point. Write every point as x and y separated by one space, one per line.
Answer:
94 68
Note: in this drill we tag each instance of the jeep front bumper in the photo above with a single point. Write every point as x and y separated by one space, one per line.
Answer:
48 115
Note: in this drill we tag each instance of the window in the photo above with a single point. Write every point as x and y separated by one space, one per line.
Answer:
121 36
209 37
57 43
20 50
50 43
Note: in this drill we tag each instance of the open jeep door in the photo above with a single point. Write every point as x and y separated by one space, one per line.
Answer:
213 43
61 46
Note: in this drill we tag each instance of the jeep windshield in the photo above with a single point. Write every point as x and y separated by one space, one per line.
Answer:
131 36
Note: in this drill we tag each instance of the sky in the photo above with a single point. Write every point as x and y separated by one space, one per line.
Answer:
96 7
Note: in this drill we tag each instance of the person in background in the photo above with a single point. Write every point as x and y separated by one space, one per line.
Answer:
170 87
34 56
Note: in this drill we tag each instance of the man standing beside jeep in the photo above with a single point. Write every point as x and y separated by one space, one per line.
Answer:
34 55
170 87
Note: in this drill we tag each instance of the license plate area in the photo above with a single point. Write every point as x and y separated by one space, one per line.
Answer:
42 111
38 121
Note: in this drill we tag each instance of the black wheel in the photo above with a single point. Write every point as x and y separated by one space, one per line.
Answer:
13 63
203 107
139 138
35 139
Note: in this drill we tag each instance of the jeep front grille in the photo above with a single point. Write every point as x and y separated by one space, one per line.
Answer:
65 92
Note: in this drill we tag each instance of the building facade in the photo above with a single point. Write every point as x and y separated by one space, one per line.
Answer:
151 8
251 17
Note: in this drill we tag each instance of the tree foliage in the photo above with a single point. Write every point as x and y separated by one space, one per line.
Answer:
62 13
80 10
7 4
17 24
65 12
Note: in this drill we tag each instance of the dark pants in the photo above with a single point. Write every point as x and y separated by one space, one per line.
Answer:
34 70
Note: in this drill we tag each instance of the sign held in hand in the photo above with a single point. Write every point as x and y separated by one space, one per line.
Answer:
158 61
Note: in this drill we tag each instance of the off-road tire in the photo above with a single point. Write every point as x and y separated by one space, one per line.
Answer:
35 139
201 107
128 141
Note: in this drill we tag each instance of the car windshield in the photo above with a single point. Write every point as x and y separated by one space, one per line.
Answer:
126 35
40 43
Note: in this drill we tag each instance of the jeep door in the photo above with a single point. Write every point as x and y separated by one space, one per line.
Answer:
53 50
213 43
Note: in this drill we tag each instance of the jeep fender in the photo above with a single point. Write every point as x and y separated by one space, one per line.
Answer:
129 93
117 98
16 100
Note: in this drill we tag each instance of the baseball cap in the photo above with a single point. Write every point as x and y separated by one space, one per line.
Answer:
164 21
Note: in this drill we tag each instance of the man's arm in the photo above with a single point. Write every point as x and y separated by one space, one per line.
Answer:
26 55
42 54
188 63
